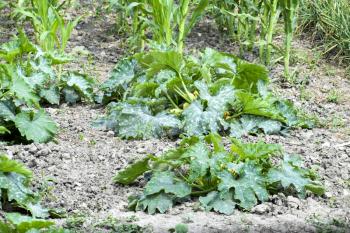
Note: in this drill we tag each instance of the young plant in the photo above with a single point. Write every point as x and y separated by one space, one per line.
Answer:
223 179
168 22
290 8
164 93
51 30
28 79
17 195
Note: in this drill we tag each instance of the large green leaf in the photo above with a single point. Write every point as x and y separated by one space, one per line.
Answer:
249 75
156 61
158 201
254 151
16 186
291 174
222 202
82 84
249 124
167 182
24 224
200 120
249 187
122 75
7 110
199 160
22 90
16 47
258 106
36 125
137 121
7 165
51 94
131 172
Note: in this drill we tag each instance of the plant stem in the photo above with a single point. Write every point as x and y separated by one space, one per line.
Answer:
274 14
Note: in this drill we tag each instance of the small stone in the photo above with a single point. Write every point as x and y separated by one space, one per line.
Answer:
110 134
65 156
9 154
43 152
293 202
328 194
32 163
33 149
261 209
24 154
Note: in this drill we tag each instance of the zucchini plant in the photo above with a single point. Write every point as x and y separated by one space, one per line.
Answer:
16 195
29 79
166 93
223 179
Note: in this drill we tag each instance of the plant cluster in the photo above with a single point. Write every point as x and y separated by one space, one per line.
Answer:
329 22
223 179
245 19
17 197
165 93
167 23
31 75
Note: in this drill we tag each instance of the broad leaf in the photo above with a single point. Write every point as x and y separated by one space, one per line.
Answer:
167 182
7 110
254 151
23 91
7 165
249 124
289 173
24 223
199 160
36 126
131 172
257 106
122 75
16 186
51 95
82 84
249 187
158 201
222 202
137 121
198 120
249 76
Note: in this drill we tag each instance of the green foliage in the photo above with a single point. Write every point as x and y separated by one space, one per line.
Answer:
253 23
14 186
224 179
51 31
15 191
164 93
329 24
29 79
168 22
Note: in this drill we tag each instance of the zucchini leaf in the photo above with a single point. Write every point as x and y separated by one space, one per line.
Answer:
36 125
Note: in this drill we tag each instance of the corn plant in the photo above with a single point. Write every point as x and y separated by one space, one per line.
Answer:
167 21
243 19
51 30
328 22
289 14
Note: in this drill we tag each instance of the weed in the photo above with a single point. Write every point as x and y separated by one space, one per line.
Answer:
333 96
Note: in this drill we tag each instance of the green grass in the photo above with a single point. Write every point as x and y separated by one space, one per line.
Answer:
329 23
